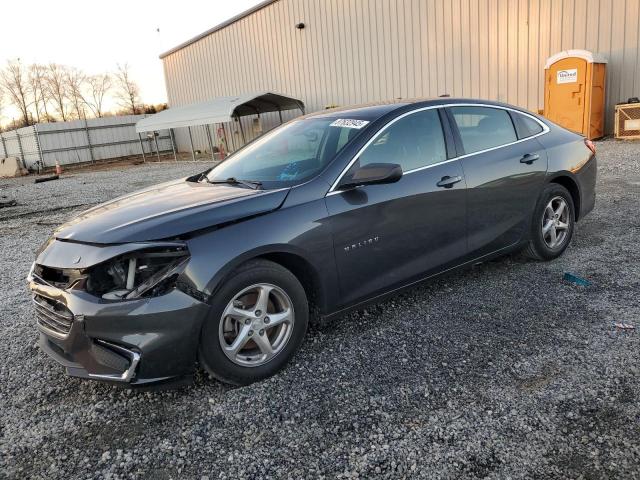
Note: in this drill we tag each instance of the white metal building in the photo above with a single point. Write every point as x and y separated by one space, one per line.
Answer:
357 51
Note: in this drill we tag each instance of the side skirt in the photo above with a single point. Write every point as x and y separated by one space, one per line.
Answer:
327 318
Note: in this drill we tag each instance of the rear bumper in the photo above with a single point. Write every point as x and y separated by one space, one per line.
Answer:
139 342
586 178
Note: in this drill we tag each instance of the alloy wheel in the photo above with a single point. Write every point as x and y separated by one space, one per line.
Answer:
555 222
256 325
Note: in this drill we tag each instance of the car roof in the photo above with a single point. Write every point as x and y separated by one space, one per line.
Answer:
373 111
369 111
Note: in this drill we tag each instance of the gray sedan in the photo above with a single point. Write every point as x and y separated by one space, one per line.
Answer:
322 215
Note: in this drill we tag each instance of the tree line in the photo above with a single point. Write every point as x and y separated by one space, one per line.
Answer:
54 92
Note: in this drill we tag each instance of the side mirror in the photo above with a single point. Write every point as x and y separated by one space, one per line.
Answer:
372 174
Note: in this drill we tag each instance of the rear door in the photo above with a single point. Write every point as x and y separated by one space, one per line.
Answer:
387 235
504 168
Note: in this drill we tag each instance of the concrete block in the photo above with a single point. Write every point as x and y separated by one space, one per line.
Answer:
11 167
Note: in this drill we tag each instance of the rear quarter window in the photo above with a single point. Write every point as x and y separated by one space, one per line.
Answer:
527 126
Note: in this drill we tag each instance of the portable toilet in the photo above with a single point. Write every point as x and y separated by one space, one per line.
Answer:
574 91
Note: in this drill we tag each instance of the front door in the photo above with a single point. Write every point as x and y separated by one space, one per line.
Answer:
387 235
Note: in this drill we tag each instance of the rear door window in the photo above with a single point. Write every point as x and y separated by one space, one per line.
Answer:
482 128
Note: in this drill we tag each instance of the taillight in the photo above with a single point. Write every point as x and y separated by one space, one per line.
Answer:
590 145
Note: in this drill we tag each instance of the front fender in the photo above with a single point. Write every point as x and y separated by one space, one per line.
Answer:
299 230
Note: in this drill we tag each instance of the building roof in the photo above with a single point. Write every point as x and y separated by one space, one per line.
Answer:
218 110
220 26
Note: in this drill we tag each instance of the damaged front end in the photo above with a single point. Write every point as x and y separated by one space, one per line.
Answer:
122 313
146 273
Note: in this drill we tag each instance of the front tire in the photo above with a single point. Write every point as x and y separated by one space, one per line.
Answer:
552 224
257 322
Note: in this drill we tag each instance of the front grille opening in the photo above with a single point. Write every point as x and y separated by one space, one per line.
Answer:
52 315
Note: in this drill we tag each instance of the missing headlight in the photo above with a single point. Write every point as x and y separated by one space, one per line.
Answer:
144 273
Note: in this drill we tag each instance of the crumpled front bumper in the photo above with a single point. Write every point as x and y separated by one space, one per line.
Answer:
137 342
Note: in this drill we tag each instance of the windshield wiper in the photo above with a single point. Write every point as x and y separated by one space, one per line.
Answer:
234 181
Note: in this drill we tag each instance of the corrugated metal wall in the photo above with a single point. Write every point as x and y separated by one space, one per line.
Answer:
355 51
94 139
21 143
79 141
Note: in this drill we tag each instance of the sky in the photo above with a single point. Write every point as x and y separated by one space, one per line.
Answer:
96 36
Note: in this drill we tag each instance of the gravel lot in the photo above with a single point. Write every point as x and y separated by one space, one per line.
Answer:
504 371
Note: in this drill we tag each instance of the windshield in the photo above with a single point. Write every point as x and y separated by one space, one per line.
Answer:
290 154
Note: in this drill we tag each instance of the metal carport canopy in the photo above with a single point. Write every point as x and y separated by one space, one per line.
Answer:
218 110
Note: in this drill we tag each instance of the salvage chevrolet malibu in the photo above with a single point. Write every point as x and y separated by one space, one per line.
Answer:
325 213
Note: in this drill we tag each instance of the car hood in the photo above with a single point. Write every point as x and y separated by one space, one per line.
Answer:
168 210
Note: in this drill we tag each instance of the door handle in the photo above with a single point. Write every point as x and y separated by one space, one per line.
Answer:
529 158
448 182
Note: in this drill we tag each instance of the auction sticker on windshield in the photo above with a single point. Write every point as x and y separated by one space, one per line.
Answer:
349 123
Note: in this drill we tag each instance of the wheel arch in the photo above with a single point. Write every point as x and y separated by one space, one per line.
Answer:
571 185
306 274
303 269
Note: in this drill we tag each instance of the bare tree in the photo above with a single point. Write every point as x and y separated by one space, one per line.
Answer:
99 86
76 81
1 106
127 90
39 92
14 81
56 81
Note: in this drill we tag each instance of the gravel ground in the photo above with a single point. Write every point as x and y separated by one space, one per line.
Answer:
503 371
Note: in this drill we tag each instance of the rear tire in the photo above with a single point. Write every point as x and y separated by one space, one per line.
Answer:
552 224
257 321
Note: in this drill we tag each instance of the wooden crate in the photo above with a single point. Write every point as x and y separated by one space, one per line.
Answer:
627 121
